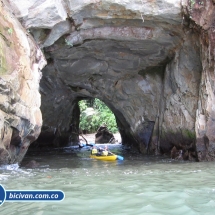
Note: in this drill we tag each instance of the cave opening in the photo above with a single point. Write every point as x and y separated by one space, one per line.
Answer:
97 119
87 116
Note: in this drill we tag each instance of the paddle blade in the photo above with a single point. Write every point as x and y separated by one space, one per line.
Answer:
86 145
120 158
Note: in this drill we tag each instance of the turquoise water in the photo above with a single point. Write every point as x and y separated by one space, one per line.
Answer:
138 185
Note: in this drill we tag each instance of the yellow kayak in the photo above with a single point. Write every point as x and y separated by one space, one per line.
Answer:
104 158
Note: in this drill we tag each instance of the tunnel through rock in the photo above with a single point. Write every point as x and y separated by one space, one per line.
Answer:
148 74
141 81
151 62
96 118
128 76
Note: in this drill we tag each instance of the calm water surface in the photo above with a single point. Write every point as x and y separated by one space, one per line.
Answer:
136 186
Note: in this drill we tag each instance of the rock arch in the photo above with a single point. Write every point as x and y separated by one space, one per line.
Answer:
138 89
152 65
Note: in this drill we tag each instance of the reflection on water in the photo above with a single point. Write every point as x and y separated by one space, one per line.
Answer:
137 185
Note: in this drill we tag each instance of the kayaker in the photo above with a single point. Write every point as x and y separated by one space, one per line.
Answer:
94 151
105 151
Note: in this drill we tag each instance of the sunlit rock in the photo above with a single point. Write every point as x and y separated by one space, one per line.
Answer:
39 13
20 64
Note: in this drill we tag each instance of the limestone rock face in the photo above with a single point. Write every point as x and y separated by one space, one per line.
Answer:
20 64
203 15
39 13
151 62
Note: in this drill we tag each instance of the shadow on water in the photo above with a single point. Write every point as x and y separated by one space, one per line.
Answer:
75 157
137 185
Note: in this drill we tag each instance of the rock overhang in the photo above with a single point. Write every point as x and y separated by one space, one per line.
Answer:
114 50
110 48
110 9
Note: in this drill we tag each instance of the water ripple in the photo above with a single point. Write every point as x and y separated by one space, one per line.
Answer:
137 186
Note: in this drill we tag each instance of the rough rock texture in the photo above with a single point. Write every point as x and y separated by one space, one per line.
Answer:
180 96
151 62
20 64
39 13
136 57
202 14
111 54
103 135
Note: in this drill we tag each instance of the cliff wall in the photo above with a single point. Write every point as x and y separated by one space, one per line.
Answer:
21 61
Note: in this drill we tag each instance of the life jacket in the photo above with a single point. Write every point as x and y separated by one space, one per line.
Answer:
94 151
105 152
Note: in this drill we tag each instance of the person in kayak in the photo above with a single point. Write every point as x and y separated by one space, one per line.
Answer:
100 151
95 151
104 151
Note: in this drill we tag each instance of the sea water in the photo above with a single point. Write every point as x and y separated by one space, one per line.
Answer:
135 186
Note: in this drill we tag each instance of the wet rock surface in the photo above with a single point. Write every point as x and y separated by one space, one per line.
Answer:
31 164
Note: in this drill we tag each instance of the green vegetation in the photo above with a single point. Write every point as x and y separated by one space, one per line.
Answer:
68 43
189 134
2 60
94 113
192 2
10 31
